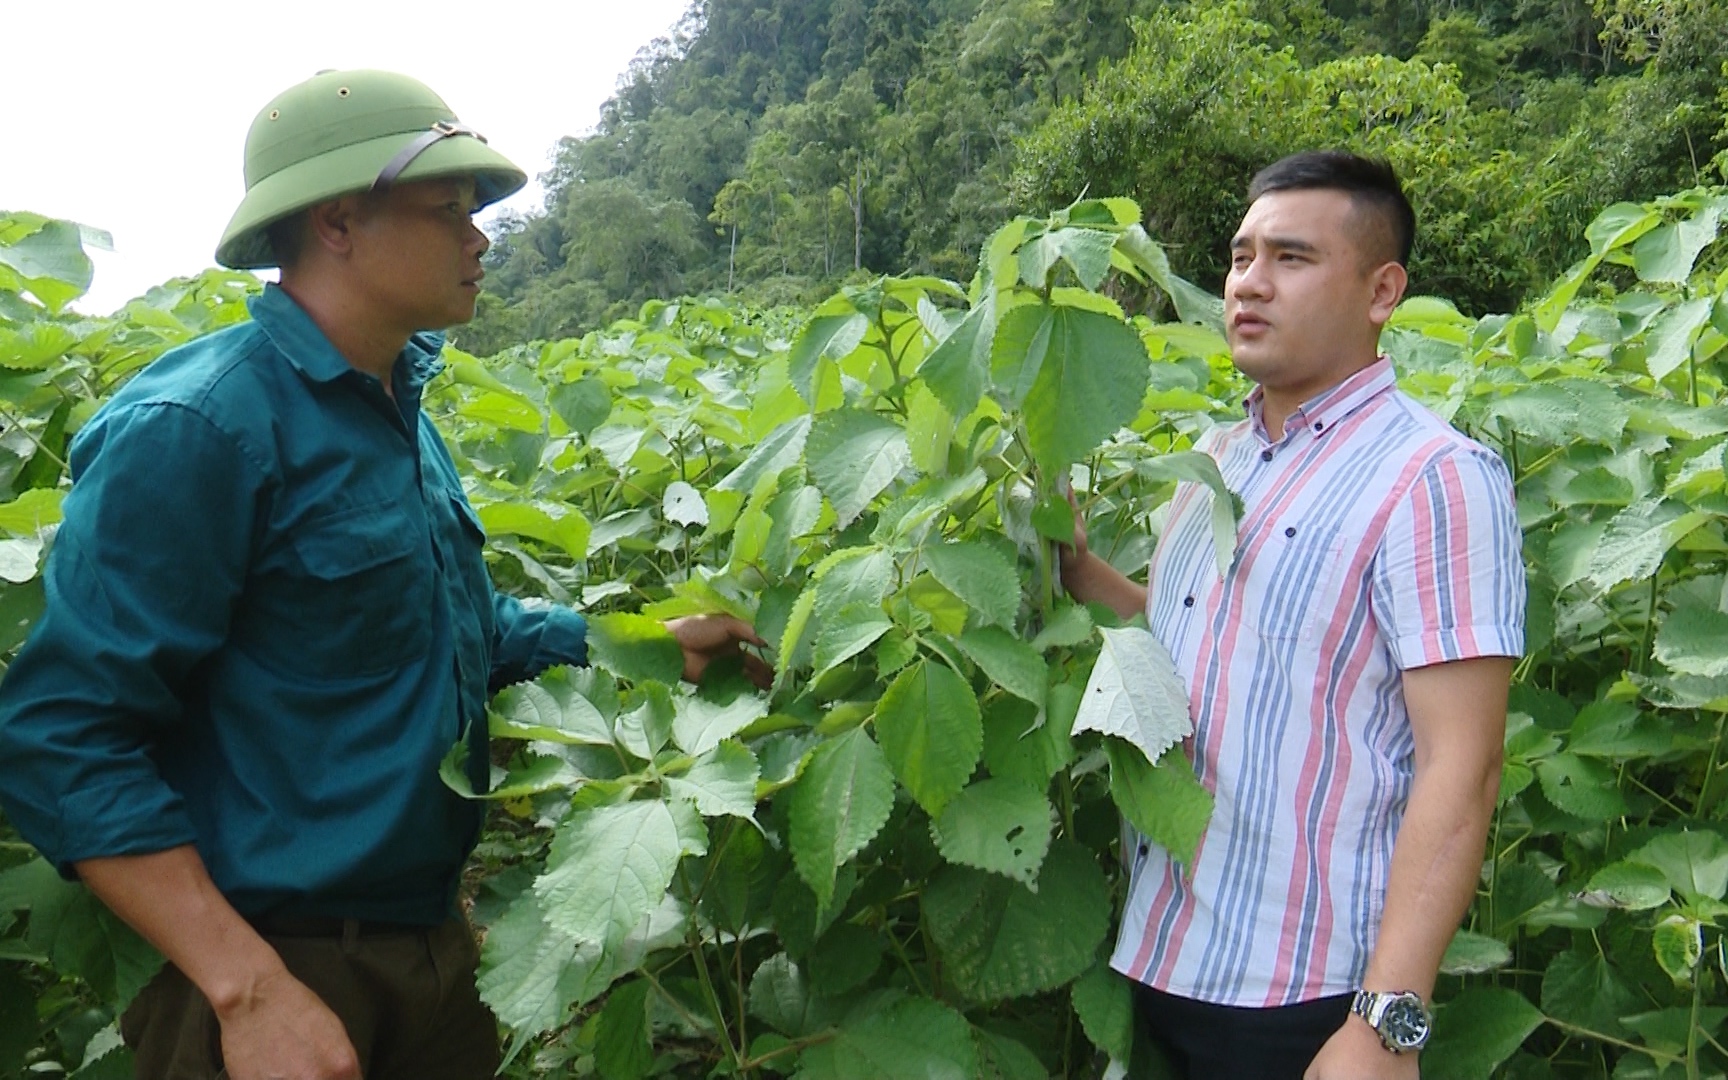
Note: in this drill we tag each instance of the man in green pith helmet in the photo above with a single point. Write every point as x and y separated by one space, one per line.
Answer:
269 619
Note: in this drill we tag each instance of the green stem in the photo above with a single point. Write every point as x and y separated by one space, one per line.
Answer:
905 959
790 1048
1644 650
1585 1033
1703 802
18 425
1692 1027
721 1031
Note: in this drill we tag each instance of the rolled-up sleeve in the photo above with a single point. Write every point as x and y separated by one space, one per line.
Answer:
530 637
1448 579
140 584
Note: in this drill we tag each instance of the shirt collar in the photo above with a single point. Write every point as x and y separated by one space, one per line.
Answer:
304 345
1322 412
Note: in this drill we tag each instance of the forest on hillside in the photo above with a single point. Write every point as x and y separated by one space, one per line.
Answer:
773 148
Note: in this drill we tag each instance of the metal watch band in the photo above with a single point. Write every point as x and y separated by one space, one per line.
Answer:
1371 1006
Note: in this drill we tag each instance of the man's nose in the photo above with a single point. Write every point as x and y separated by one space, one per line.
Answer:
1250 280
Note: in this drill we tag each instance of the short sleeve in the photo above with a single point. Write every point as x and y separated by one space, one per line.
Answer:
1448 578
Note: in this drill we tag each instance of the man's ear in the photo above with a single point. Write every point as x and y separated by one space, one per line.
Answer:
330 224
1386 285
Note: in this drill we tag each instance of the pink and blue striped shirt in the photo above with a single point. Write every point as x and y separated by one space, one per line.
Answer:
1375 538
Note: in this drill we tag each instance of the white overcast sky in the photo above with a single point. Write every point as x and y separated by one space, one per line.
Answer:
131 115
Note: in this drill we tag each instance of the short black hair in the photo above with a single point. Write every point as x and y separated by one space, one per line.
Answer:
1370 183
287 238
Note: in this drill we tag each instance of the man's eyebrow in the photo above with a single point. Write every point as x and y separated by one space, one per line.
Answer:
1276 243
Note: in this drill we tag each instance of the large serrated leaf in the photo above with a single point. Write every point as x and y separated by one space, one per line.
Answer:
1086 251
913 1038
635 647
52 262
998 824
1582 988
1022 743
610 866
826 337
958 369
1666 254
847 632
1104 1002
1134 693
83 938
1009 662
1629 886
839 804
1002 1058
1090 385
1002 940
1163 801
1677 942
1637 539
1668 344
931 732
700 724
980 575
781 997
550 523
1580 786
1470 953
1695 864
551 709
778 451
1476 1031
721 781
1693 640
1199 468
853 456
623 1040
532 974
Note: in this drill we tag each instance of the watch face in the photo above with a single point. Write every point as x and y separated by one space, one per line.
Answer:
1405 1023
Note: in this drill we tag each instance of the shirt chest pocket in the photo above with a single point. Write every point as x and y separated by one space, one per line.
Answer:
1292 591
358 599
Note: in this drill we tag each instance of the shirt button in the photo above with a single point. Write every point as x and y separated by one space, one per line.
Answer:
1265 455
1187 601
1319 426
1291 531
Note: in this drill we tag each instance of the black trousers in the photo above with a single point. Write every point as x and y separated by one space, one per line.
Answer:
1222 1042
407 999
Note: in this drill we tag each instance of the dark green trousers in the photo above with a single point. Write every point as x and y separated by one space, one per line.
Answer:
407 999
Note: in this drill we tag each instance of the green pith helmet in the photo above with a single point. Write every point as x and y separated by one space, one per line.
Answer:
341 132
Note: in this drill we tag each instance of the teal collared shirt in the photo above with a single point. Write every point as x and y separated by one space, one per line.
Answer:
268 620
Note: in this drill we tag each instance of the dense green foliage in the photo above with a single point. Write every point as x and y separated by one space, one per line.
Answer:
776 148
834 879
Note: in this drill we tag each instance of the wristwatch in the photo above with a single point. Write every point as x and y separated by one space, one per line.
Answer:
1400 1018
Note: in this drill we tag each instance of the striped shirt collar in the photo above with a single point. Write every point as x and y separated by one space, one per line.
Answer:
1322 412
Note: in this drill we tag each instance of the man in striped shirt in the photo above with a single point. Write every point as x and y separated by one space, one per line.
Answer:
1347 678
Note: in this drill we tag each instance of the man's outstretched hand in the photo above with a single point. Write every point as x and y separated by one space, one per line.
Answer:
707 638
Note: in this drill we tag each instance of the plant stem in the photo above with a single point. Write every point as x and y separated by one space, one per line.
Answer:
18 425
1692 1027
1577 1032
1703 802
905 959
721 1031
1645 650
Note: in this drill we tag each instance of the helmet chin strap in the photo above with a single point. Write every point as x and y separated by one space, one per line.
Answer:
443 129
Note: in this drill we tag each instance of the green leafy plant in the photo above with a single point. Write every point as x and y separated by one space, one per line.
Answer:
904 858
